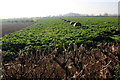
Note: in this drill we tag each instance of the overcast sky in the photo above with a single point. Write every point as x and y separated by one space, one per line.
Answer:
40 8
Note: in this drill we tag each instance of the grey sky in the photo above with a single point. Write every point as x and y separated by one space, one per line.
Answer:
37 8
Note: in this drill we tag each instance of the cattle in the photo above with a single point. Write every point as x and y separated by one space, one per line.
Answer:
77 24
72 23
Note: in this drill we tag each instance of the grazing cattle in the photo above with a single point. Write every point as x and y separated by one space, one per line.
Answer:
72 23
77 24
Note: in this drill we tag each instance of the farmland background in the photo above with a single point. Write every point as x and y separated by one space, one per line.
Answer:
52 44
60 39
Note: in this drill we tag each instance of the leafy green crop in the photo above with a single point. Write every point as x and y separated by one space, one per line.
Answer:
53 32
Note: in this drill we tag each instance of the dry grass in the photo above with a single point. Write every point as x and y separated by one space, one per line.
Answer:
77 63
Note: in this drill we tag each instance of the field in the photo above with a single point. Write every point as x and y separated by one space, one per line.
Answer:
9 27
64 47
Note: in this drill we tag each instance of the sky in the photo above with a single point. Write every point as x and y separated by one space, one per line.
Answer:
42 8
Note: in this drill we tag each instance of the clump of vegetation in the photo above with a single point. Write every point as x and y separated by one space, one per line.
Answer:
71 63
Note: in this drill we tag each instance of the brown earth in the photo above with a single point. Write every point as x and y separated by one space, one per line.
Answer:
9 27
79 63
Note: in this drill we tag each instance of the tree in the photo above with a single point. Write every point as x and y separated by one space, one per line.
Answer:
105 14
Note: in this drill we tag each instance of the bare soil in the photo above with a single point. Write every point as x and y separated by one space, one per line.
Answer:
9 27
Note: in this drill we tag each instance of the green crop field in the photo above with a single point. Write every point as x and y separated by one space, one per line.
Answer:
53 32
